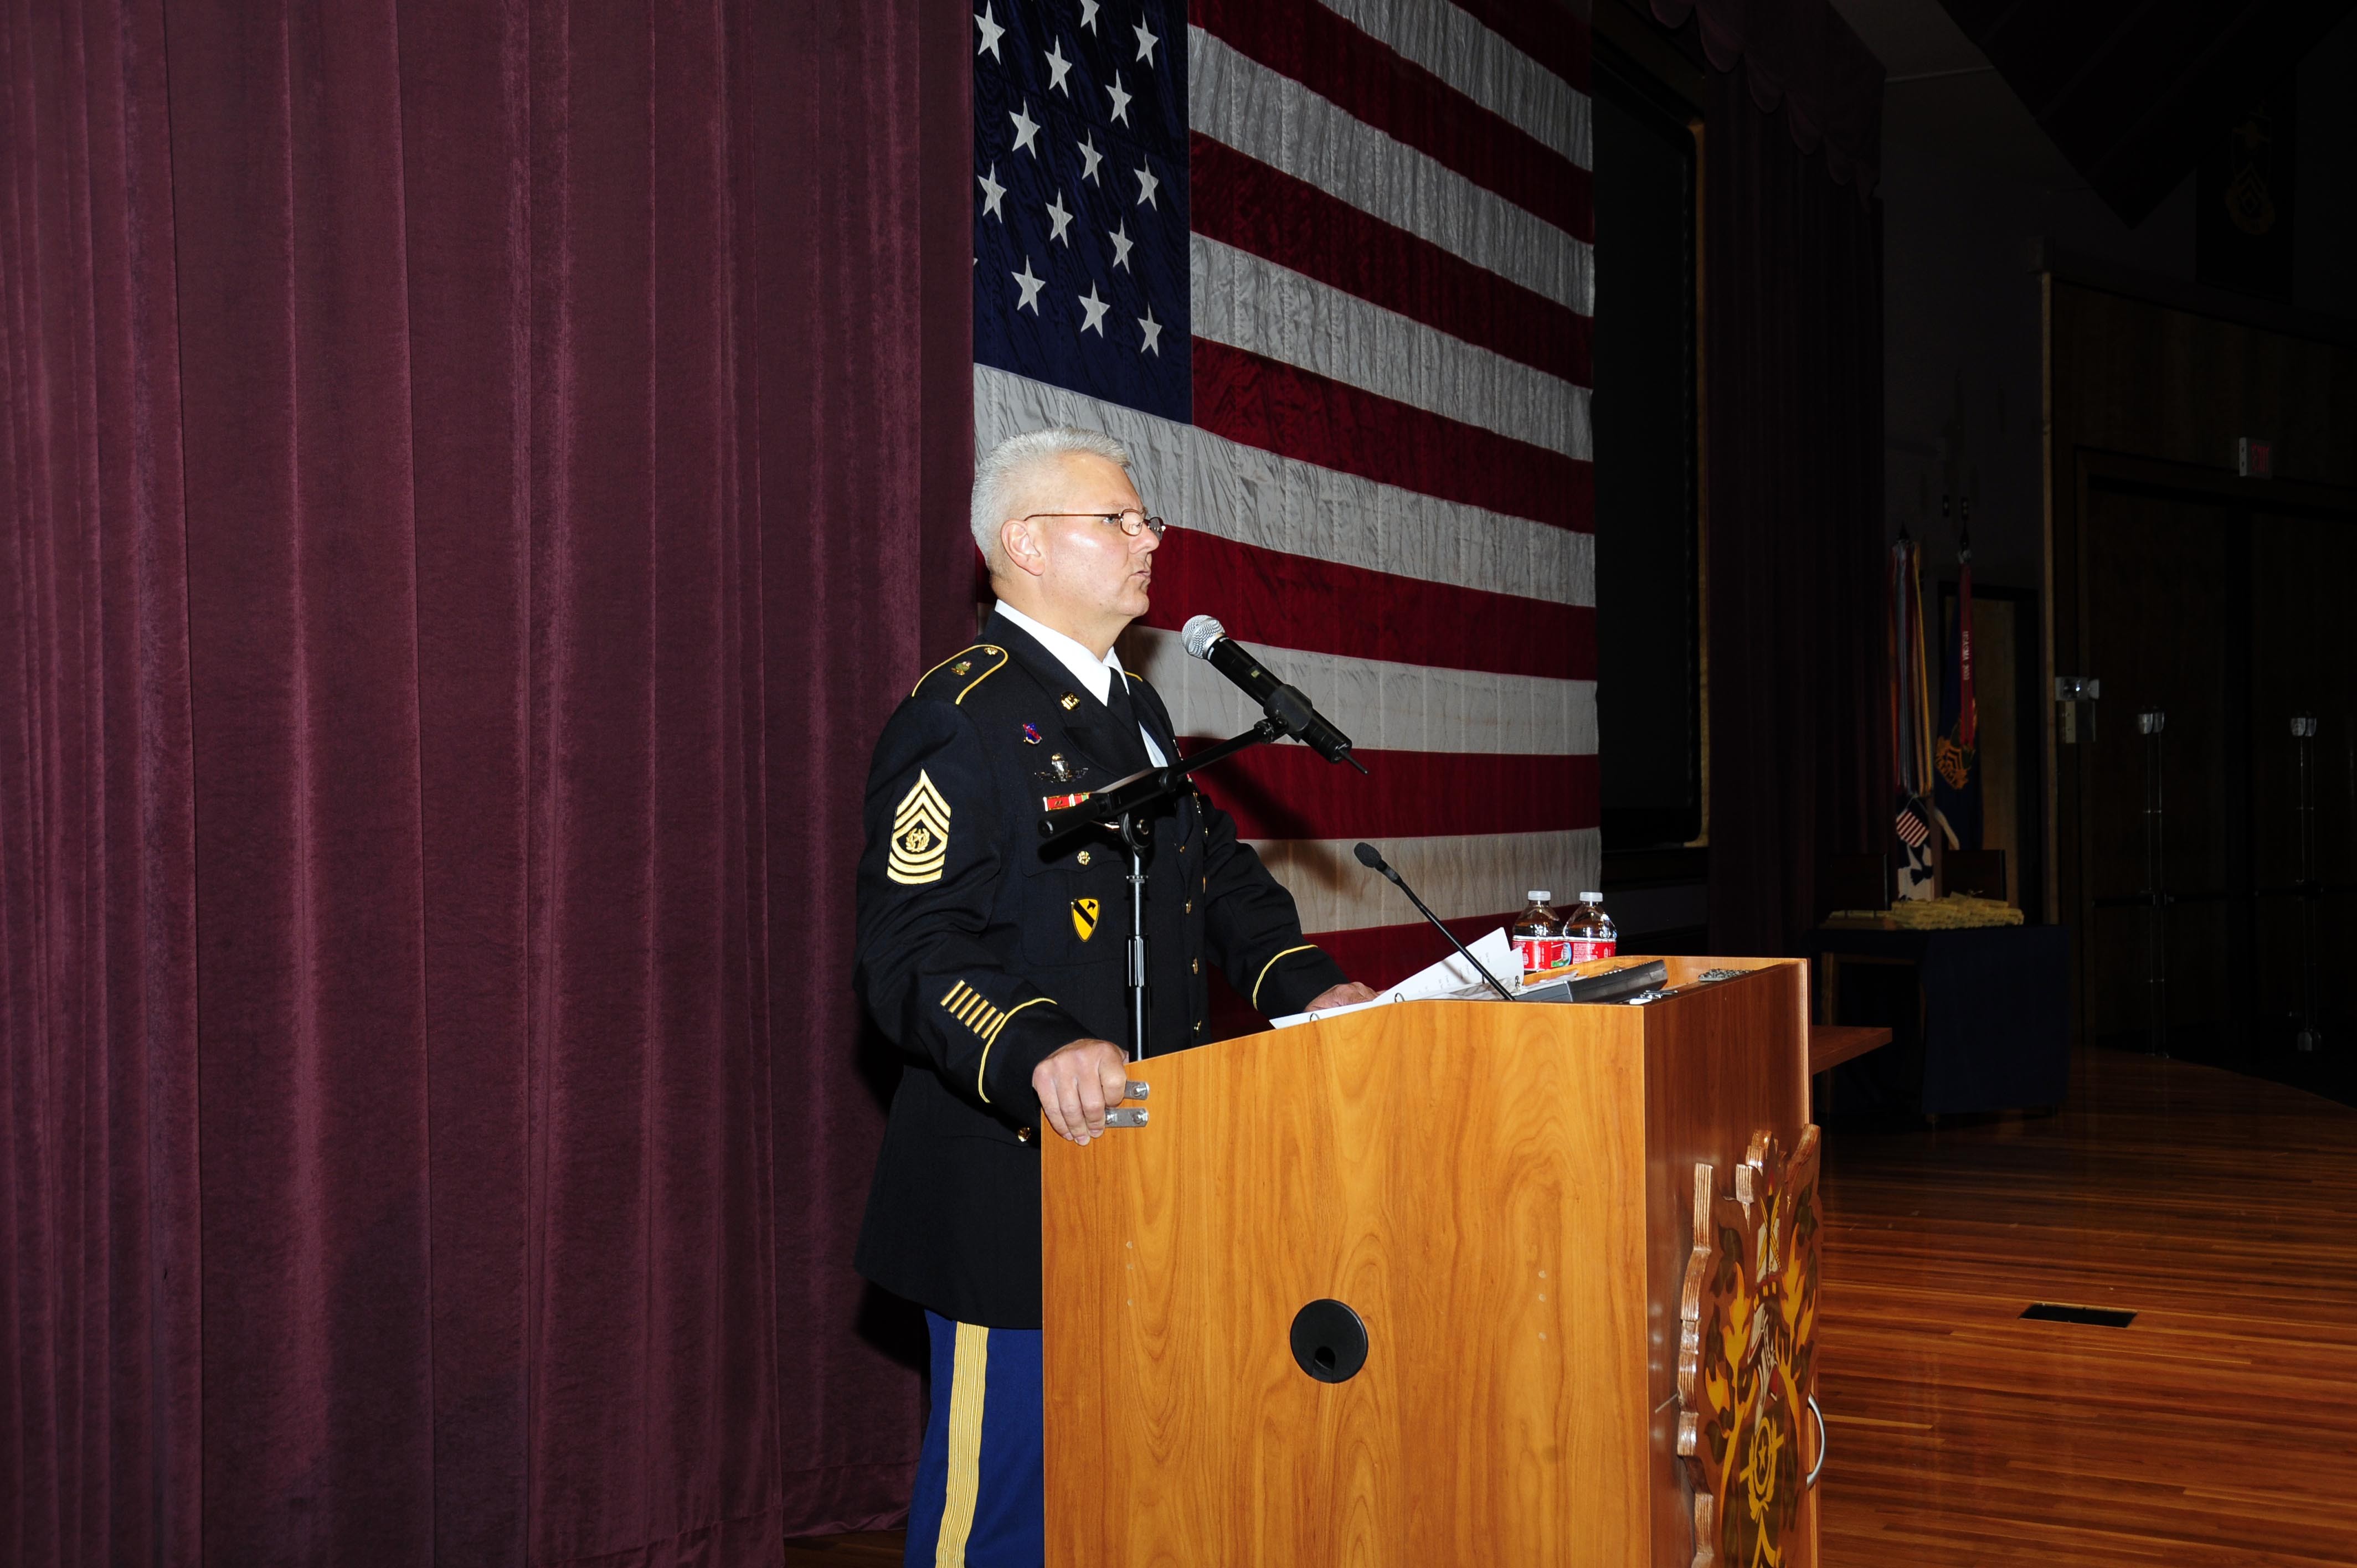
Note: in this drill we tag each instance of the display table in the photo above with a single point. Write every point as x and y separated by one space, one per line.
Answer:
1830 1045
1989 1028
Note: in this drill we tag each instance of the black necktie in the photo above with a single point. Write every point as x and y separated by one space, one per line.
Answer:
1124 709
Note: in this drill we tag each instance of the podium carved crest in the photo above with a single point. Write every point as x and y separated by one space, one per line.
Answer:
1746 1353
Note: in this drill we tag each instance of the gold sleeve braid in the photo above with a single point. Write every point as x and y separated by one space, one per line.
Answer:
992 1039
1261 978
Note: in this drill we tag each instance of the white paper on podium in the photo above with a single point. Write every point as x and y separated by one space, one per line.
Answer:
1450 980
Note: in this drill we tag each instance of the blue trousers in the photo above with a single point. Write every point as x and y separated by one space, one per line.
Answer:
977 1502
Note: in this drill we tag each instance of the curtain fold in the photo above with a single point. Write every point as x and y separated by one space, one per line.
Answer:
1800 56
474 496
1792 347
866 147
99 1302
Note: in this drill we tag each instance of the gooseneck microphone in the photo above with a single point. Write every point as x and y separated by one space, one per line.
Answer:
1207 639
1373 861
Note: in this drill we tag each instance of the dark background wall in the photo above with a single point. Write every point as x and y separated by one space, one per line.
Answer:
1973 191
1738 457
1649 643
2219 602
2076 335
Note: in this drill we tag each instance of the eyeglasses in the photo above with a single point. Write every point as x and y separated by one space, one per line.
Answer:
1132 522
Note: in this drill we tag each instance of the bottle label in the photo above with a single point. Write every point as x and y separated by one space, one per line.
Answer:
1539 953
1583 949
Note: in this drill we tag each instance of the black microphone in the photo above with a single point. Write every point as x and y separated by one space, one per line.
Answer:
1207 639
1369 858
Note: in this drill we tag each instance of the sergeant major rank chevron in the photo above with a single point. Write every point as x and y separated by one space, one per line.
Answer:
921 835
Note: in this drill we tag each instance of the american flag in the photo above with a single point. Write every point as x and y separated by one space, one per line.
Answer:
1327 270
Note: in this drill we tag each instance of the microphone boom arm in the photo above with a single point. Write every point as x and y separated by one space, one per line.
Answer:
1128 797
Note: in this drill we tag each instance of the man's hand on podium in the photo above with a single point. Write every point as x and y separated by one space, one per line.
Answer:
1079 1084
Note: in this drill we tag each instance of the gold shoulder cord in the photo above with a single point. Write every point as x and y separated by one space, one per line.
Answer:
1000 654
939 668
990 649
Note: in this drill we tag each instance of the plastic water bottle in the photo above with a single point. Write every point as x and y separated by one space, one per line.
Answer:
1589 933
1538 934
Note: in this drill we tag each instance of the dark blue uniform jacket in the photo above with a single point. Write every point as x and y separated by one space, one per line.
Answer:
980 952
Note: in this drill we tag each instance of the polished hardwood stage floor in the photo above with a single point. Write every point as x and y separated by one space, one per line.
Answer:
2219 1427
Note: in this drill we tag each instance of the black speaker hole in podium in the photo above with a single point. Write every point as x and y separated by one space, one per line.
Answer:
1330 1342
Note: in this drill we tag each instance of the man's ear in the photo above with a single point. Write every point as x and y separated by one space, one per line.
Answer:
1020 547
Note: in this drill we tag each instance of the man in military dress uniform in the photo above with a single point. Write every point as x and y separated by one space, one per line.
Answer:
999 965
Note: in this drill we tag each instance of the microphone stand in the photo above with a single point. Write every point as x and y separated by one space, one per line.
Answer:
1123 805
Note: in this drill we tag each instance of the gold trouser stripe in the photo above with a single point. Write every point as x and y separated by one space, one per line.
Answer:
1306 947
970 1364
992 1039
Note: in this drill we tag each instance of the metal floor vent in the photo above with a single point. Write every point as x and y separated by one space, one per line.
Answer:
2101 1317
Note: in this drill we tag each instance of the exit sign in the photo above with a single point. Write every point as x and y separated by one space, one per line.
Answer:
2255 458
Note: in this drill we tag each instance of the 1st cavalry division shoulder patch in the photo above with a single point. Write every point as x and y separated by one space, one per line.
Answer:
1084 917
921 835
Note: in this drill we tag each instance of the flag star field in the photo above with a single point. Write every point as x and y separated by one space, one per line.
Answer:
1080 231
1327 269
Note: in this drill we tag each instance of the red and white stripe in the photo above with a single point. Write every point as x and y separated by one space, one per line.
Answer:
1387 484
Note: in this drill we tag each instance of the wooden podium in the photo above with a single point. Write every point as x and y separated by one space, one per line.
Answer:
1506 1197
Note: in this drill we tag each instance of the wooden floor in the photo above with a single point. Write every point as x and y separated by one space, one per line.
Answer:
2219 1427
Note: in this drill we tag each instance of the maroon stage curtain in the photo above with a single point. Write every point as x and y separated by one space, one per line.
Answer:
1792 347
474 490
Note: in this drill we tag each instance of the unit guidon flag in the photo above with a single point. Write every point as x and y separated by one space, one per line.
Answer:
1327 270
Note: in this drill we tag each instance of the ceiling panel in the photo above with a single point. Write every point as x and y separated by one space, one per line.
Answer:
2135 92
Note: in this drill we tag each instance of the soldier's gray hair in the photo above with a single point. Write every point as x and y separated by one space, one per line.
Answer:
999 477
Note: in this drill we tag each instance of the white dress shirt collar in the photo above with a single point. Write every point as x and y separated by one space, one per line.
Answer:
1093 673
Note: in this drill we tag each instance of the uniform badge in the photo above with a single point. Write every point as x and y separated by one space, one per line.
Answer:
1030 735
1059 803
1071 702
921 835
962 666
1058 768
1084 917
